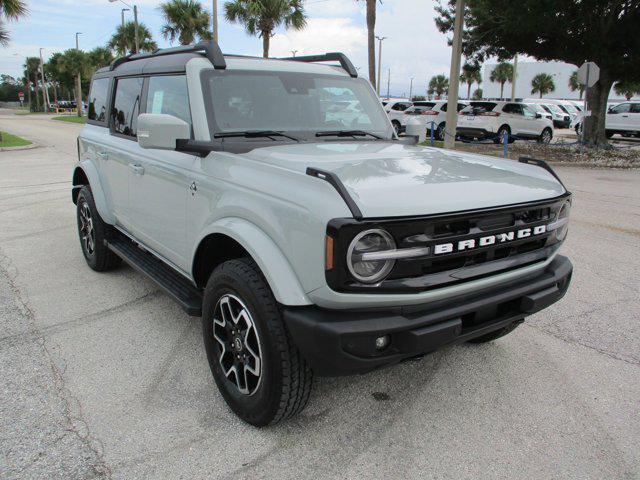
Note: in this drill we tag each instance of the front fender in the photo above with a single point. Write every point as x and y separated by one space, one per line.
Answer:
91 173
272 262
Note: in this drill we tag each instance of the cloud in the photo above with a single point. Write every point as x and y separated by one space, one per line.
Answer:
333 8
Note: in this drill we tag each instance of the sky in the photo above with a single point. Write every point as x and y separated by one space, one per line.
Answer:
413 48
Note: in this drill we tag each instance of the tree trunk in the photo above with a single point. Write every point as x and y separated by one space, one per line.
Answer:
29 92
55 93
501 90
37 95
78 95
266 39
540 94
371 40
468 91
597 103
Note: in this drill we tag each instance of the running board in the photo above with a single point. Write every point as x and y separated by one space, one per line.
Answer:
174 284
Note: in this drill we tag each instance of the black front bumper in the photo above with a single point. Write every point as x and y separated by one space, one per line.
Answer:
342 342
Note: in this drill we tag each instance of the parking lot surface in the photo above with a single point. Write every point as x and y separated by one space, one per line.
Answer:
104 377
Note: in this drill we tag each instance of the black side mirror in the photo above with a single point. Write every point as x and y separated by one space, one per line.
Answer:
538 115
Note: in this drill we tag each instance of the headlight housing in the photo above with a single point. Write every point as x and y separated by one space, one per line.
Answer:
370 241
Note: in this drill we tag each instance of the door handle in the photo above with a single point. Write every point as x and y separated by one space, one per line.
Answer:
625 116
137 168
103 155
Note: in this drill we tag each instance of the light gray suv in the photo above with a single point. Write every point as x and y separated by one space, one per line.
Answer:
308 237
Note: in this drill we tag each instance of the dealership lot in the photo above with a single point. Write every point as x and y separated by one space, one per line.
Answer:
103 376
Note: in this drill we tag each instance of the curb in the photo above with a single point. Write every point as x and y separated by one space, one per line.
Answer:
15 149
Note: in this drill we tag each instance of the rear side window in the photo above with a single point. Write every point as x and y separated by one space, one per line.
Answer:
486 106
126 106
424 104
635 108
512 108
98 100
168 94
401 106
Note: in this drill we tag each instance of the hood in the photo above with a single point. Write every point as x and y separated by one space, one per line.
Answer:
390 179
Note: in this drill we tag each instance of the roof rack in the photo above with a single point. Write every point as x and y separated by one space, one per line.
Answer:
209 47
345 63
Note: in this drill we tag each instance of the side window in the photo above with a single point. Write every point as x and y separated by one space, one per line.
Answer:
126 106
635 108
528 112
512 108
401 107
168 94
98 100
622 108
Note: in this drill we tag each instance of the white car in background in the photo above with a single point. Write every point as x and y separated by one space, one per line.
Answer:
486 119
622 118
540 109
427 112
395 108
560 118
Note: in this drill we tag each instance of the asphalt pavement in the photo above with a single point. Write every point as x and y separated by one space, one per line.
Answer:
103 376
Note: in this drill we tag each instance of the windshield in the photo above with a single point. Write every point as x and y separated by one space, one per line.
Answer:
299 103
554 108
570 108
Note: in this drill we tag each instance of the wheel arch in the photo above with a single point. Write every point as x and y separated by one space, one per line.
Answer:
87 174
231 238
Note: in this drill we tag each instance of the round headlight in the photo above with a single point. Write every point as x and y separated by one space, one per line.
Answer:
370 241
563 216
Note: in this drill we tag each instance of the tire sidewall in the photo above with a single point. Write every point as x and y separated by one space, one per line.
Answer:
261 406
85 197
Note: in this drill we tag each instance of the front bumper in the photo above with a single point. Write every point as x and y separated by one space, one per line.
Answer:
342 342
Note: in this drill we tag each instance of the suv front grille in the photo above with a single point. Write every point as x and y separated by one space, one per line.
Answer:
492 241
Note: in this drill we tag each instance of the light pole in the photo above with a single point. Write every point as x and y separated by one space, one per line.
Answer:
135 21
513 78
45 95
451 120
293 52
380 39
122 15
388 82
411 89
214 24
78 82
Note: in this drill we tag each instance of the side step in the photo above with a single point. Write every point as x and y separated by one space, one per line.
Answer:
177 286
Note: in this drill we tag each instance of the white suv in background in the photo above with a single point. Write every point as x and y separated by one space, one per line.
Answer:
622 118
427 112
484 119
395 108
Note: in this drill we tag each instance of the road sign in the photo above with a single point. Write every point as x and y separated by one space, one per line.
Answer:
21 95
588 74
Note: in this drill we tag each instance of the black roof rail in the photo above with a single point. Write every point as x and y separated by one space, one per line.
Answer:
209 47
345 63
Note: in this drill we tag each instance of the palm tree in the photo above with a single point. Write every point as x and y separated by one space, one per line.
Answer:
574 84
123 40
11 10
371 39
100 57
76 62
627 88
439 84
185 20
502 74
261 17
542 83
477 94
32 74
470 75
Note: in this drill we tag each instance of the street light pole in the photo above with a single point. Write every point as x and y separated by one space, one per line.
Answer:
214 16
122 15
513 78
78 82
411 89
380 39
44 83
135 21
451 120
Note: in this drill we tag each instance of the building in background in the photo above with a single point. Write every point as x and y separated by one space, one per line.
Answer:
561 72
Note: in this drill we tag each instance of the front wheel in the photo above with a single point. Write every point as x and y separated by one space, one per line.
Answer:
259 371
546 136
609 133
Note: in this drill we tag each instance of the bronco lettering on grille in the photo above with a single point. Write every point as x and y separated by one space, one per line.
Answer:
471 243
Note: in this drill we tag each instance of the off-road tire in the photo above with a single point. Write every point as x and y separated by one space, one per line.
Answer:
99 258
489 337
285 380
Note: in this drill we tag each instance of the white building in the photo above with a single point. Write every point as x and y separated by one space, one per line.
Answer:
561 72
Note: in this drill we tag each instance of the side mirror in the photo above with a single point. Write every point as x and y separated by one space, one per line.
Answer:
538 115
160 131
610 110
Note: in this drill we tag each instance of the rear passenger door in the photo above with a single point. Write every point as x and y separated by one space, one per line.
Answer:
159 182
515 118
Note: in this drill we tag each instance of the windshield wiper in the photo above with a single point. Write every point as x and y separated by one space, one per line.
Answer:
348 133
254 134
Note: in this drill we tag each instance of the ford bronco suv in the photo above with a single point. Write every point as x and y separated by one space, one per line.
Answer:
309 242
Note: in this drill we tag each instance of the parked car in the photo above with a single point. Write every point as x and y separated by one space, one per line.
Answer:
560 118
309 243
428 112
540 109
395 109
485 119
621 118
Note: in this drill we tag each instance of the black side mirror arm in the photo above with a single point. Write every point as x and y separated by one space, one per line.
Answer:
198 147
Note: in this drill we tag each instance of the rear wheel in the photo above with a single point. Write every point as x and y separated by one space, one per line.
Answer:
489 337
441 132
259 371
609 133
500 135
93 232
396 126
546 136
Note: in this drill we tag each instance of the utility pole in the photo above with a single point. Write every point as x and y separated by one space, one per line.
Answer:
380 39
122 15
388 82
293 52
411 89
214 16
513 78
135 21
78 82
451 120
47 103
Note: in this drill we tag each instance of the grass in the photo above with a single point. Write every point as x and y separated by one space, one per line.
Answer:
27 112
9 140
71 119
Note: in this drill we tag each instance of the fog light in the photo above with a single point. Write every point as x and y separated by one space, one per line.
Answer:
382 342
